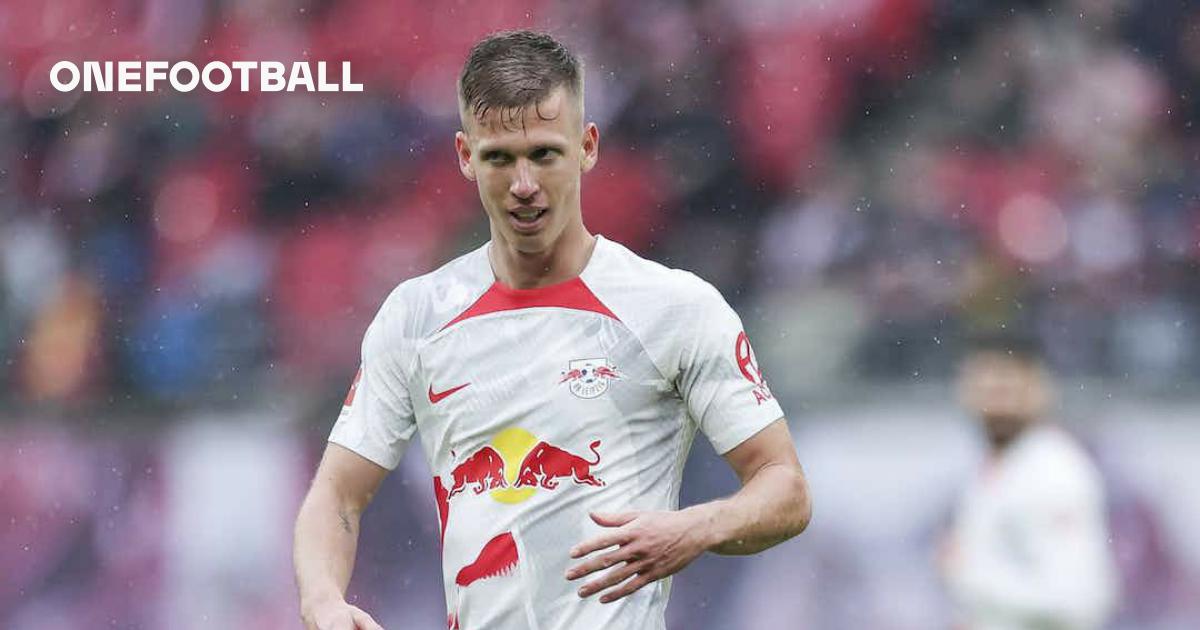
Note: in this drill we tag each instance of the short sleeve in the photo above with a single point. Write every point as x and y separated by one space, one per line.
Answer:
720 379
377 419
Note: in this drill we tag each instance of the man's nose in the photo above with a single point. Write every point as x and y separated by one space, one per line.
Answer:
524 185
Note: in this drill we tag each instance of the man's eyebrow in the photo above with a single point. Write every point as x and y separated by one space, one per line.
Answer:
493 150
557 147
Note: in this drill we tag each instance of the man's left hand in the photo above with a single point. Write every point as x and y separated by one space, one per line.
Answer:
649 546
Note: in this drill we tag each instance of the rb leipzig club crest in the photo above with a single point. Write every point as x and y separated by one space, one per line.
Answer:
588 378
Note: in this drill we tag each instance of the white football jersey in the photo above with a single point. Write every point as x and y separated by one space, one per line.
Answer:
1031 540
537 406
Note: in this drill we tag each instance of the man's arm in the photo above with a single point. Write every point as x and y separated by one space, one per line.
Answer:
326 538
772 506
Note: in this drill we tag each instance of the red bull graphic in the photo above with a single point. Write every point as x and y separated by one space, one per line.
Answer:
513 467
589 378
484 468
493 468
546 464
603 371
498 557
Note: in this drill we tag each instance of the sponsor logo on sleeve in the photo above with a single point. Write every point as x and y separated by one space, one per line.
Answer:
748 364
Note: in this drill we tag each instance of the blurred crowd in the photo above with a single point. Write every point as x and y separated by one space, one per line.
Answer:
868 181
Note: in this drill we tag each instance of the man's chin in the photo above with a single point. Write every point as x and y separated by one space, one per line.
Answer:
1003 430
530 243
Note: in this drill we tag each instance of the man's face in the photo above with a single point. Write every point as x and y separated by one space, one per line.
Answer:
1006 393
529 170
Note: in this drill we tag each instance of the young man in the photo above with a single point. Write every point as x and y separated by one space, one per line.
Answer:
1029 545
557 380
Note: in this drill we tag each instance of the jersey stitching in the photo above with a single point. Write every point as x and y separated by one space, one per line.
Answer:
591 287
638 338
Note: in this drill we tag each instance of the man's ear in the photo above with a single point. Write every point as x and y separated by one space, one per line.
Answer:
462 147
591 147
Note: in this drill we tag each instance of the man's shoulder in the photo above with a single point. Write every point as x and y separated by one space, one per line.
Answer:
627 276
667 309
423 302
1052 443
1057 461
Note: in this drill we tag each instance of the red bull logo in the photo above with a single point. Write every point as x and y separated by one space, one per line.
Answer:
603 371
546 464
484 469
571 375
513 467
494 469
589 378
515 464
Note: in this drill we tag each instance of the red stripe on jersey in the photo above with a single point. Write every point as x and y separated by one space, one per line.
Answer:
573 294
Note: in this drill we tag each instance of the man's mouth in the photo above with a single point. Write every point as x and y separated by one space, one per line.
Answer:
527 217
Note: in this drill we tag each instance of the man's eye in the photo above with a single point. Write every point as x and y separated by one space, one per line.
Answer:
496 158
542 155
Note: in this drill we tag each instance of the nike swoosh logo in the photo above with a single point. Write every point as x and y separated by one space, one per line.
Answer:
436 397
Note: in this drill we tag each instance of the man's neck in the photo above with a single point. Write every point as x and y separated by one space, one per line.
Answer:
564 260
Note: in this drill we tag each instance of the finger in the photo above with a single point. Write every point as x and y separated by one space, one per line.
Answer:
612 519
612 578
627 588
603 541
363 621
612 558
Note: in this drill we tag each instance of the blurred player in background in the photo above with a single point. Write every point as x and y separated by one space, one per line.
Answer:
1029 547
557 380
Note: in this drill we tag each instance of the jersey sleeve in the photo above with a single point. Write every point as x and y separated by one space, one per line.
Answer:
719 377
377 418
